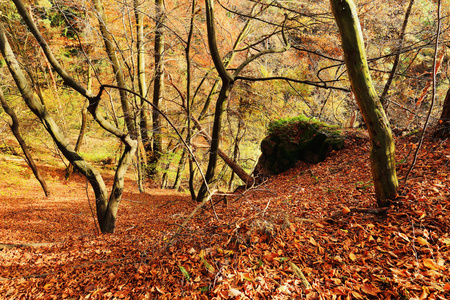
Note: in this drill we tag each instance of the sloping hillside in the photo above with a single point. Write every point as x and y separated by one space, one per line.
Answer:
311 232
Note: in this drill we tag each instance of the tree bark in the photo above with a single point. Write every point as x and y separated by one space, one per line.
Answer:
443 128
15 128
120 79
227 80
397 56
158 85
106 213
383 148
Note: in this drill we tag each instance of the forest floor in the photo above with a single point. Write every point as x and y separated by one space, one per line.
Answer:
300 235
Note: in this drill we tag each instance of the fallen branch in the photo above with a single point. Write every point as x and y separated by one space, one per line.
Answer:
298 272
10 246
182 226
373 211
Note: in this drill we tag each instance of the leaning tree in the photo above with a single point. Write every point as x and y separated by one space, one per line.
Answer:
382 155
106 206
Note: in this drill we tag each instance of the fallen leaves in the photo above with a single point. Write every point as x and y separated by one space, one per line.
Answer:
295 251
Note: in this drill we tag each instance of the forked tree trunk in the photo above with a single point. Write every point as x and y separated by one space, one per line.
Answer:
383 148
106 208
227 79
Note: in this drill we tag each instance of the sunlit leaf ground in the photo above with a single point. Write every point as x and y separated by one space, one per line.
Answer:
246 249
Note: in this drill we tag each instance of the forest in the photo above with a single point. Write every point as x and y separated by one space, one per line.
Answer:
133 134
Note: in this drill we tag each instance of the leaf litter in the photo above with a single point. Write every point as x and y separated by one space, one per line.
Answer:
300 235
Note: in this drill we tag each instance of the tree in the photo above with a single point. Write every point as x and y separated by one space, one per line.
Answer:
15 128
120 78
227 79
158 84
397 56
383 148
143 122
443 128
106 207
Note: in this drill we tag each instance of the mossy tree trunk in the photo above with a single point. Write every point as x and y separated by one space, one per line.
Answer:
383 148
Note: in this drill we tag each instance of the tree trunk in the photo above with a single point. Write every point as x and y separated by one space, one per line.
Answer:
82 132
215 139
384 94
120 79
443 128
143 132
383 147
158 85
235 153
106 214
80 138
109 223
181 163
15 128
188 102
244 176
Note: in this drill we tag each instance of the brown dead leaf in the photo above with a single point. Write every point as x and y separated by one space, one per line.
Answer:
346 210
447 287
370 289
357 295
422 241
313 241
430 264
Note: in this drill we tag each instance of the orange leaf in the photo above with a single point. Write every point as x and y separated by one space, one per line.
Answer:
430 264
422 241
346 210
352 256
369 289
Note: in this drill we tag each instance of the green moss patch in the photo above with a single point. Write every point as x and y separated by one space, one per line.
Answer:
294 139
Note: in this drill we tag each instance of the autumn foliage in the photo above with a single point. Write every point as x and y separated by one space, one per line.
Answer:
305 219
220 74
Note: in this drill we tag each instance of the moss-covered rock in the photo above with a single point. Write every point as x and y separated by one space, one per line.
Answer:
291 140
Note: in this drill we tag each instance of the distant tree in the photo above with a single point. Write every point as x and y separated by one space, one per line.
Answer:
158 84
383 148
392 74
